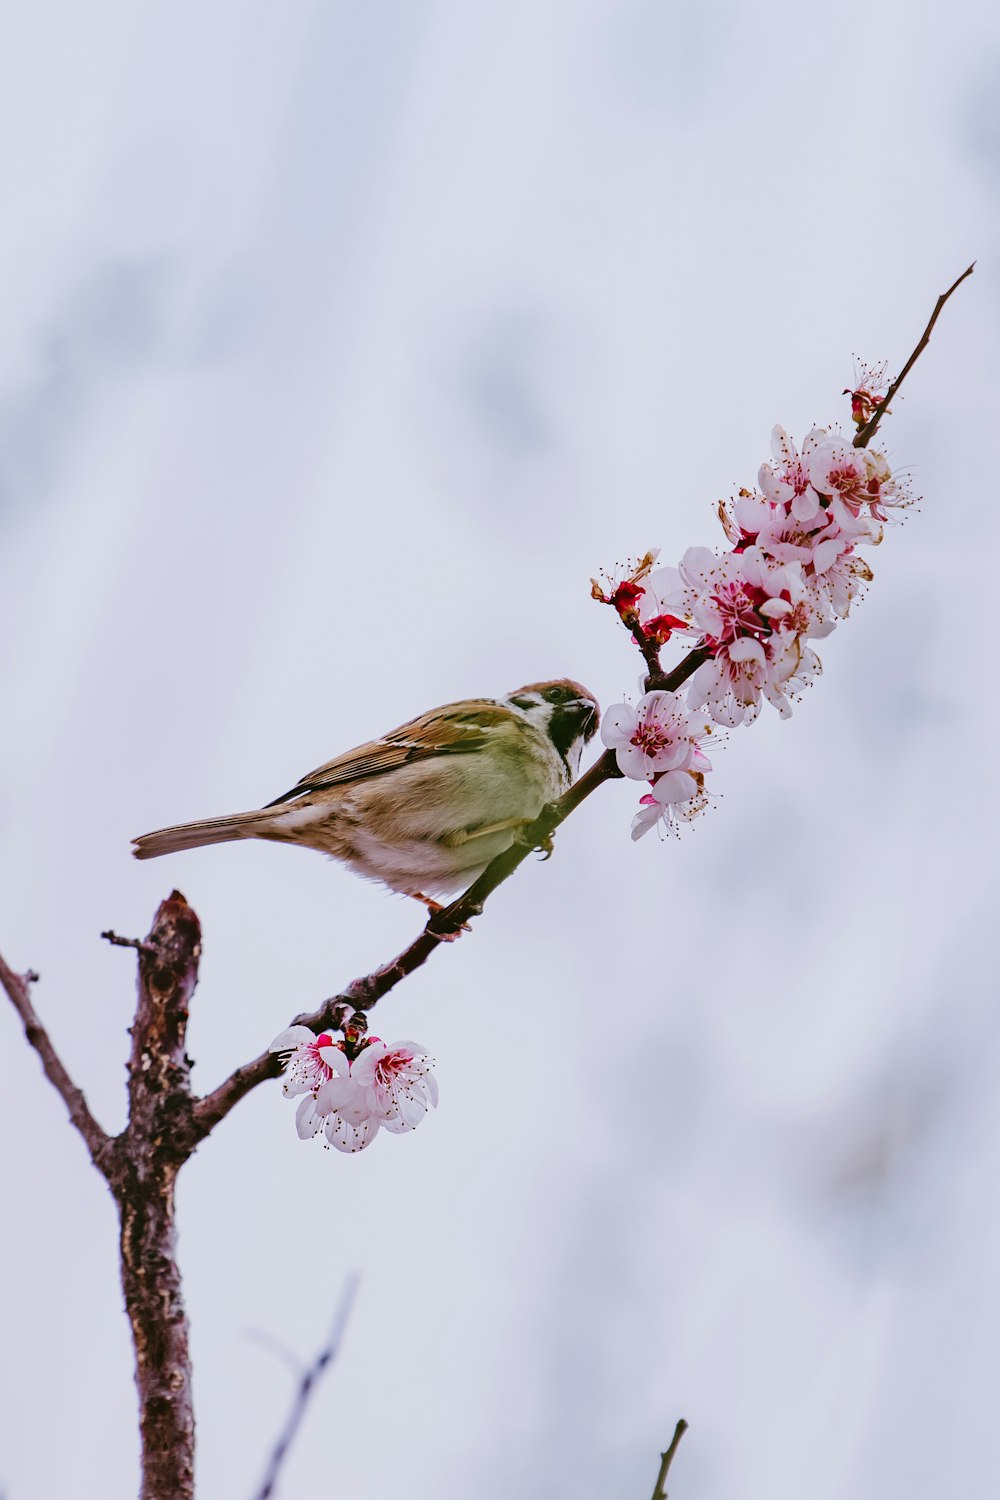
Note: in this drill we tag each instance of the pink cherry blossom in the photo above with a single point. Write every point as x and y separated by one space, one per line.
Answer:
788 483
884 491
731 609
675 591
308 1063
623 587
657 735
728 598
401 1081
348 1113
837 585
791 667
838 471
388 1086
674 798
752 519
791 604
869 389
730 686
815 544
660 741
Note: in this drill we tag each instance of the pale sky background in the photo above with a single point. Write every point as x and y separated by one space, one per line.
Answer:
342 343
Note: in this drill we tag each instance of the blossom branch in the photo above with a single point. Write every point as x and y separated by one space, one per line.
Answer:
97 1141
649 634
650 648
668 682
868 431
666 1459
791 572
307 1386
348 1007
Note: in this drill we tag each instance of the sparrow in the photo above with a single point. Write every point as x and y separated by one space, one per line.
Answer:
425 808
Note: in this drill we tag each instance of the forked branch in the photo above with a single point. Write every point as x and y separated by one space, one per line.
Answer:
97 1141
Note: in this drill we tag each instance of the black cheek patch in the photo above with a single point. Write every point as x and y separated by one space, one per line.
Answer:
525 703
567 723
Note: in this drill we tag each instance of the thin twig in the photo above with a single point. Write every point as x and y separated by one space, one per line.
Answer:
666 1459
124 942
442 927
18 987
867 432
307 1386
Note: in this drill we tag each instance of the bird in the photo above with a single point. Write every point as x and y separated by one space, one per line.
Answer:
425 808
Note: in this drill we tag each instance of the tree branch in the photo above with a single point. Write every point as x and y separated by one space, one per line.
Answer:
154 1145
97 1141
669 682
650 649
124 942
442 927
307 1386
867 432
666 1459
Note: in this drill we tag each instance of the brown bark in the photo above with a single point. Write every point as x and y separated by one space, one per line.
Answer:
148 1154
97 1141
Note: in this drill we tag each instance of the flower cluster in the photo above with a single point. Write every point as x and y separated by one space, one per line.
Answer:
790 575
659 741
384 1086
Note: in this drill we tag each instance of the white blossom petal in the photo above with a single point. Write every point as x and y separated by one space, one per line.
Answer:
746 649
308 1118
292 1037
349 1138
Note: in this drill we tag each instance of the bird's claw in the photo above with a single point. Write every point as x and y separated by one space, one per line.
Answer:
545 846
435 908
537 834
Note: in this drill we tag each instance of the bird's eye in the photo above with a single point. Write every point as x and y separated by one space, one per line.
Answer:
555 694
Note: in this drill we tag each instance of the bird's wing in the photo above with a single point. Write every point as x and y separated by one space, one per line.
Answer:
456 729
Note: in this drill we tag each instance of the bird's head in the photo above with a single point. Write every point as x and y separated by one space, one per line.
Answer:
564 710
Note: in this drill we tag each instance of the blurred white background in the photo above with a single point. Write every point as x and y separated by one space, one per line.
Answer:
342 343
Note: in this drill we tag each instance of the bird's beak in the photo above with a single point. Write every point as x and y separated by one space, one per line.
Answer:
590 717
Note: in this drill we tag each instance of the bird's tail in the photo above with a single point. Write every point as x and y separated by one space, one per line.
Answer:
246 825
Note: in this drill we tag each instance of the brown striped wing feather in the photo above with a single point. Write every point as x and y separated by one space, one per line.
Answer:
456 729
